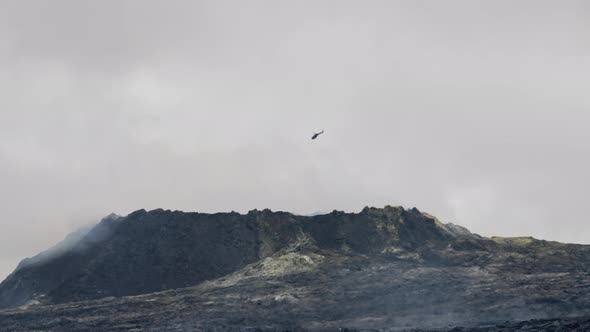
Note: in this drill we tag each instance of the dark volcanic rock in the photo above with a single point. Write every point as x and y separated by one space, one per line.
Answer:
381 269
151 251
577 324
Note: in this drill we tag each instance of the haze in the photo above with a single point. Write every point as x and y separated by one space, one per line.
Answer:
474 111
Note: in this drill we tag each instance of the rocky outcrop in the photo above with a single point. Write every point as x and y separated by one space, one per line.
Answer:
386 269
152 251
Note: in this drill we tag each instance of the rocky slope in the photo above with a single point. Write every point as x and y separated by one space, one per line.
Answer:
384 269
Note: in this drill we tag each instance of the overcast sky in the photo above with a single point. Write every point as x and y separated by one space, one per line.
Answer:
475 111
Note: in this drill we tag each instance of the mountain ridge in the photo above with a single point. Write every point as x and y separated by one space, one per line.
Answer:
381 268
285 223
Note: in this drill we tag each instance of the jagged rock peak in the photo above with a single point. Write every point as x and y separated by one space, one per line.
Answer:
160 249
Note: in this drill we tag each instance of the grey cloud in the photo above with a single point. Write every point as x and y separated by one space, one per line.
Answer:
476 112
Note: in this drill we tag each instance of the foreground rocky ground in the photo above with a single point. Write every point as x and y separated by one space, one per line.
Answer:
458 281
309 291
578 324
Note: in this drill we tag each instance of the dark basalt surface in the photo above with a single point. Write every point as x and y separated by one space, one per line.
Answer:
385 269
